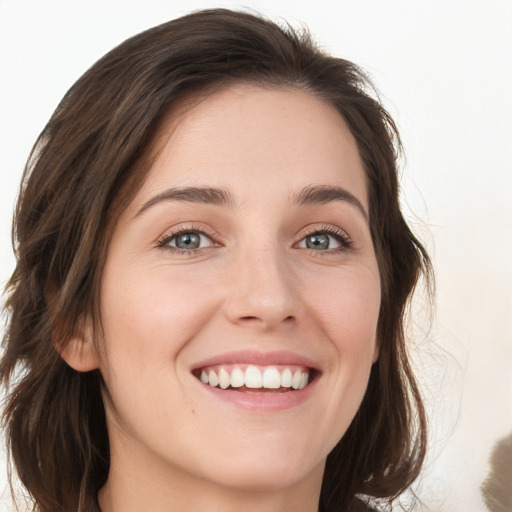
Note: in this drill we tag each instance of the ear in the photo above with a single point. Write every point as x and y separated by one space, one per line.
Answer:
80 352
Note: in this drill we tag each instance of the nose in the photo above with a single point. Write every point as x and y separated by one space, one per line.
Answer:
262 291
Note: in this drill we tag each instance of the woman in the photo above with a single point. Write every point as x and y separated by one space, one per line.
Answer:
207 308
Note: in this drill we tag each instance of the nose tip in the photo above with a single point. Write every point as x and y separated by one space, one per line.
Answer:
262 295
262 308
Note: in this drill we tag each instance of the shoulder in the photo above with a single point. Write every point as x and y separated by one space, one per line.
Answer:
357 506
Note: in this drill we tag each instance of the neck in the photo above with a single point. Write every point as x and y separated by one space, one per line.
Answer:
140 482
202 500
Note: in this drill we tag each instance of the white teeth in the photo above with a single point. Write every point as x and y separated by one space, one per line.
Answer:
297 377
224 378
286 378
254 378
213 379
237 378
271 378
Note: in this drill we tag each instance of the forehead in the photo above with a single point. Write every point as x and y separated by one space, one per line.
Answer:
256 142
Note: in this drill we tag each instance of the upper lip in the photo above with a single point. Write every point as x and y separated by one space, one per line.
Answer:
281 357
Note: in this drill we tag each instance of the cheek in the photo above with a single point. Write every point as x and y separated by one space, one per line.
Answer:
148 318
155 306
347 309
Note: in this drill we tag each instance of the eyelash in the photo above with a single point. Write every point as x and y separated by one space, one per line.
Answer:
339 235
168 237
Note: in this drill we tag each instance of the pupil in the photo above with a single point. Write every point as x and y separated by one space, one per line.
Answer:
317 242
188 241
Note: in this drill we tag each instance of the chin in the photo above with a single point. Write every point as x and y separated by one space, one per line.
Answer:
270 464
265 476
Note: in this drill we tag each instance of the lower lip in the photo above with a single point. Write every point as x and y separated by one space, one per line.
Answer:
261 401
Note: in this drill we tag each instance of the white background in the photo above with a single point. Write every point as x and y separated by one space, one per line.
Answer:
445 72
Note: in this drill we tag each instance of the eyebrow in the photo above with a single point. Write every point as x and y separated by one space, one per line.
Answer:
204 195
319 194
322 194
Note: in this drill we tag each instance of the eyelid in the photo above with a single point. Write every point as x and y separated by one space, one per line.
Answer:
171 233
341 235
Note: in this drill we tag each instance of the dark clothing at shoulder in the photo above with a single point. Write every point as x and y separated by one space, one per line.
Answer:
362 507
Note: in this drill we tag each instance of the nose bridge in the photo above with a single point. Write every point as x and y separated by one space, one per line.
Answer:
263 289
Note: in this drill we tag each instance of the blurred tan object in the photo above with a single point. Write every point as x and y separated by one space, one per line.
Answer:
497 488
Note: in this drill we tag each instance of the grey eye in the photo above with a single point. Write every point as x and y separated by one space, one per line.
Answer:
317 241
188 241
183 241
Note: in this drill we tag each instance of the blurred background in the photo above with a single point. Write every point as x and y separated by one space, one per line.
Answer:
444 69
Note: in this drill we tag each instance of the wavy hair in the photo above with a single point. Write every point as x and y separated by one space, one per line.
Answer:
88 163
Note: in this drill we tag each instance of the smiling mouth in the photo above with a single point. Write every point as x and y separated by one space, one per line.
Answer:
256 379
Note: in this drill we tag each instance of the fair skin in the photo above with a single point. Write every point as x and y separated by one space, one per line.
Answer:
275 270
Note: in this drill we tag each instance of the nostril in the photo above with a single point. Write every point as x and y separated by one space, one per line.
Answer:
250 317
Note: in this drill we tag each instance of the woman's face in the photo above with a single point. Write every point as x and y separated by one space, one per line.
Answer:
245 260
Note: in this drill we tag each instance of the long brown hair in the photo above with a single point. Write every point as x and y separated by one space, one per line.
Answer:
85 167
